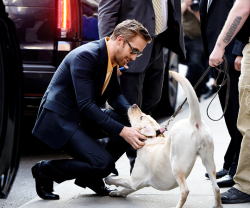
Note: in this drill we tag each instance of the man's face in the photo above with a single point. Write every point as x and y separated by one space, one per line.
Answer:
123 52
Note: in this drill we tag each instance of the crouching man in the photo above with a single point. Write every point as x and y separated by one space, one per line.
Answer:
70 118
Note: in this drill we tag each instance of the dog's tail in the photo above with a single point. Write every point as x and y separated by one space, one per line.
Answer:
195 114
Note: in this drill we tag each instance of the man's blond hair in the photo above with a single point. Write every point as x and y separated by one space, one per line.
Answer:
129 29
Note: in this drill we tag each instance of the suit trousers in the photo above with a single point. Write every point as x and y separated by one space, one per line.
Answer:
231 115
242 176
90 161
144 89
196 63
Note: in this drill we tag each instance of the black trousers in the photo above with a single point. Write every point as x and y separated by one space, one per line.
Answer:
232 154
145 88
90 160
196 63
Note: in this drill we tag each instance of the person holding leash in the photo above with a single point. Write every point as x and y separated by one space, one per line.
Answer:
70 118
238 21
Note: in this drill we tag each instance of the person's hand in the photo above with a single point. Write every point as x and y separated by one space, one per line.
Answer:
215 58
119 73
188 2
237 63
197 13
133 137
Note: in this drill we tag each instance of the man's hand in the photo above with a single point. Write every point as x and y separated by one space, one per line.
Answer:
215 58
189 2
132 136
119 73
237 63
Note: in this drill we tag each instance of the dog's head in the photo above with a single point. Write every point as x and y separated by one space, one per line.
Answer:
145 123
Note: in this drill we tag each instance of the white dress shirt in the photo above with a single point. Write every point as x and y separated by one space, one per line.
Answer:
164 6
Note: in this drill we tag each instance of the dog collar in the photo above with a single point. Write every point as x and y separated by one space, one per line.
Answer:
161 131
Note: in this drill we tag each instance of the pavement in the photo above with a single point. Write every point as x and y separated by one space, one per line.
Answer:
200 196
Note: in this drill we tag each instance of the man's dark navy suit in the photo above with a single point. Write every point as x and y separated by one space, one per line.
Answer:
70 116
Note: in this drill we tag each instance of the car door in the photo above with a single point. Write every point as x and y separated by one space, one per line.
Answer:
10 102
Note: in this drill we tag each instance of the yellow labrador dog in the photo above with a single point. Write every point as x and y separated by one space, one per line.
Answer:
165 163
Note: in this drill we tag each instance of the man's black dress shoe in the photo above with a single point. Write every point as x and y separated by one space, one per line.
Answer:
219 174
99 187
226 181
44 186
234 196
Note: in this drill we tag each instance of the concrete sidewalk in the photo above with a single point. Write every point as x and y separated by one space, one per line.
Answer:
200 196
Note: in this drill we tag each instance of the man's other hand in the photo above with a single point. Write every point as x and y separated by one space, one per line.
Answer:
133 137
237 63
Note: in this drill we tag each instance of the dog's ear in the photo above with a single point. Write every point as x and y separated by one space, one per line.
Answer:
148 131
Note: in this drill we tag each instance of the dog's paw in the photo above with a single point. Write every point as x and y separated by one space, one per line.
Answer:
108 180
218 206
116 194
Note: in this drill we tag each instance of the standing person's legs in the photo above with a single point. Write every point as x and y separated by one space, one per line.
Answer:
196 63
242 177
132 87
153 81
231 116
240 193
144 89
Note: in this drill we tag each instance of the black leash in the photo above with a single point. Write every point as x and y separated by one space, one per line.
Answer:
226 80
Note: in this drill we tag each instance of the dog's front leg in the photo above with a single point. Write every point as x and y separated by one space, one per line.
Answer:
124 182
179 174
122 193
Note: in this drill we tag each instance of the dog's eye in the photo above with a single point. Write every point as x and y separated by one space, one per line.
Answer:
141 117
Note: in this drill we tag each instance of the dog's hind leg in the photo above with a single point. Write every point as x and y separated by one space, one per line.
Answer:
208 161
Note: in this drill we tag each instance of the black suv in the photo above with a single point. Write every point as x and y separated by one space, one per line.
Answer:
48 29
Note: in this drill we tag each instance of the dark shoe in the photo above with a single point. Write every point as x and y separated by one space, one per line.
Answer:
234 196
226 181
99 187
101 190
44 186
219 174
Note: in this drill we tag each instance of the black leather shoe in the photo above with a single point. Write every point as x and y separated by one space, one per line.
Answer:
226 181
44 186
234 196
101 190
99 187
219 174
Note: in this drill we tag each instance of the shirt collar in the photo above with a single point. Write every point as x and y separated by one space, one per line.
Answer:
110 65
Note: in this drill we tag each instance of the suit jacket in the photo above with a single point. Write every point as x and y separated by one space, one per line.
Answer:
73 97
212 22
113 12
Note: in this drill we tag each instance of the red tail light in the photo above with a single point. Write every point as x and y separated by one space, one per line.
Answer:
68 20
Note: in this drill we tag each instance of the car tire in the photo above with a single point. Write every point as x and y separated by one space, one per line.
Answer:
166 106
